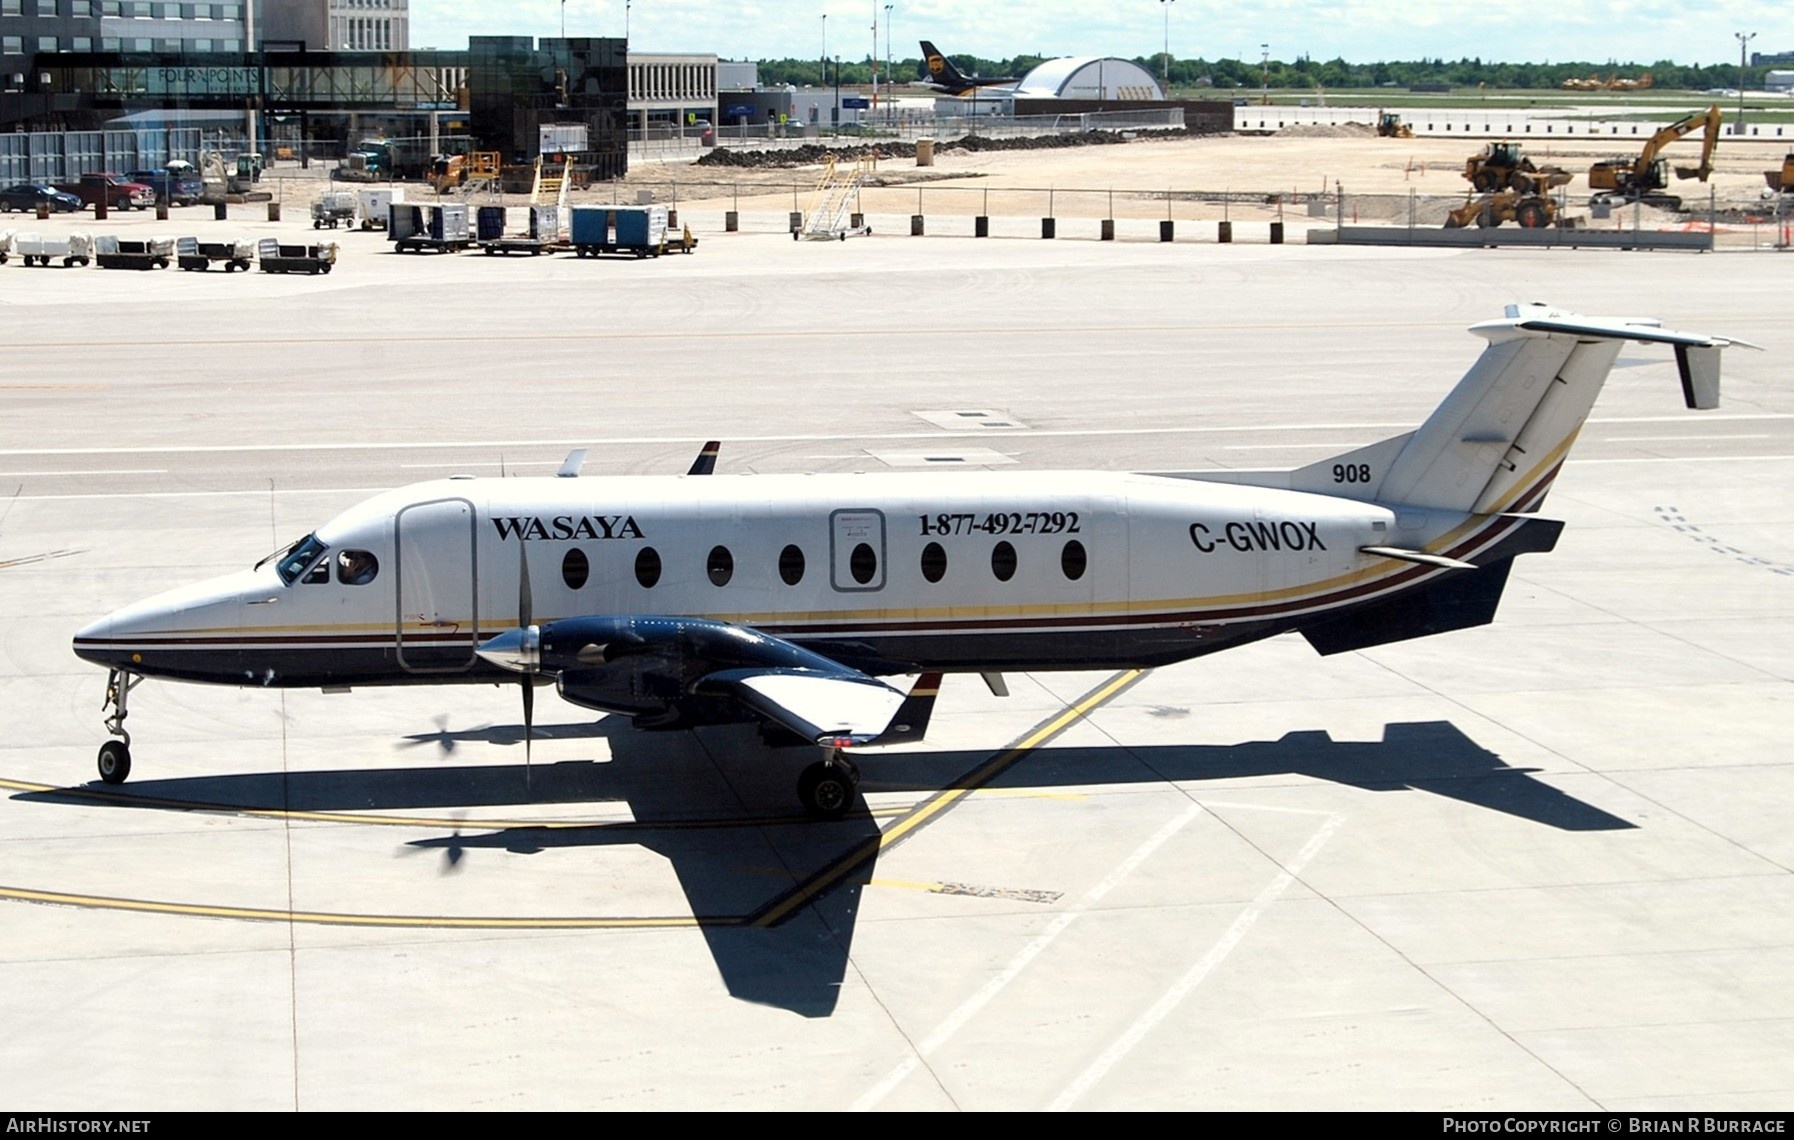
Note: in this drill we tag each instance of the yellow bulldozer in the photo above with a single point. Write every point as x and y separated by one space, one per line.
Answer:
1645 177
1390 126
1501 166
1781 181
1529 211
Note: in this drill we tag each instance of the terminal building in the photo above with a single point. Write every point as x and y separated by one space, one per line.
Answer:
143 107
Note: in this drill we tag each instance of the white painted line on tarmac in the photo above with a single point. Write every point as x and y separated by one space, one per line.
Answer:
812 437
1668 438
1204 966
52 474
972 1005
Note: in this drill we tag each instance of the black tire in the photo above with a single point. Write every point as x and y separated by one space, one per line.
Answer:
1484 181
1486 219
826 790
115 761
1531 216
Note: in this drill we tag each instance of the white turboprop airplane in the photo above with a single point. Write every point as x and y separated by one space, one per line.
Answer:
684 601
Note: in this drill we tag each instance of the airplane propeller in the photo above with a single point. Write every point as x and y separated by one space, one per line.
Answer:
525 619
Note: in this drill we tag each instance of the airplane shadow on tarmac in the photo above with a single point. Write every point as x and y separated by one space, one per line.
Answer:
777 895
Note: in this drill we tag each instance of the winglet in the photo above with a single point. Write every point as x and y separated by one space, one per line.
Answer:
570 466
705 463
911 719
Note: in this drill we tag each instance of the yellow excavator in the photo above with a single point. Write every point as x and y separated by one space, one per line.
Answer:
1390 126
1645 178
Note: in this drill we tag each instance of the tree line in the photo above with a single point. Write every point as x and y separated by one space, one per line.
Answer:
1302 72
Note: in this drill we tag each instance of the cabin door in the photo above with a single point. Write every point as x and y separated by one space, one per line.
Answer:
857 550
438 628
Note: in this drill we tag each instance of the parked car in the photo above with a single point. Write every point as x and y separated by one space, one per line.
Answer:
116 192
177 185
27 195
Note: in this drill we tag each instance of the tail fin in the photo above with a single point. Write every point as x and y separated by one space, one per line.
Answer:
1497 441
940 68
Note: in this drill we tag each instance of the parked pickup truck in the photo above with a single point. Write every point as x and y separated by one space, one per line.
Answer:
112 189
179 185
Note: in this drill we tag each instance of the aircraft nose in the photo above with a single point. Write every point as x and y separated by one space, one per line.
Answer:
519 650
173 633
95 642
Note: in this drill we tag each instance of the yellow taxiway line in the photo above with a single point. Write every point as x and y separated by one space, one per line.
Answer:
908 823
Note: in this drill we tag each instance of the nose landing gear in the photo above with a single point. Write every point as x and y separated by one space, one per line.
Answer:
115 755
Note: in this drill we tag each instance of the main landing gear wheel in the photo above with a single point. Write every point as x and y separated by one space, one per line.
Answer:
115 761
826 788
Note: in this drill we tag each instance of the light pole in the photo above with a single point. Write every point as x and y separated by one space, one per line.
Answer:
890 100
1165 5
1743 40
824 53
1264 63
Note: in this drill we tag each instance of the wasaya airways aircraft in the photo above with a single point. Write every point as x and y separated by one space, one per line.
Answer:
703 599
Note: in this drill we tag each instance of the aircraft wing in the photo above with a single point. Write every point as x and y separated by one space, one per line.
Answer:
816 706
669 671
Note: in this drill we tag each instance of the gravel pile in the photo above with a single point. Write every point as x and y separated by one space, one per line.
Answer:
811 154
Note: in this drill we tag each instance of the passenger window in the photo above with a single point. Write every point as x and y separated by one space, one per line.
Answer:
863 563
647 567
356 567
1002 561
791 565
934 562
575 568
1073 560
720 566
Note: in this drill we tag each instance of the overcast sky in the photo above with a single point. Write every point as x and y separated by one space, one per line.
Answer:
1361 31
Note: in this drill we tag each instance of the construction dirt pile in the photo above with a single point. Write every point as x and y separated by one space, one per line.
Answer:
810 154
1327 131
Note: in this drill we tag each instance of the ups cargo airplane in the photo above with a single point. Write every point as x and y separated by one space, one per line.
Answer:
781 599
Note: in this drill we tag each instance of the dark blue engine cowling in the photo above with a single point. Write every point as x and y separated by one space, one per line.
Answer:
646 667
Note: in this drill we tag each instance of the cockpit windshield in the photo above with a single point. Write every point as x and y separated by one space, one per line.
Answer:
293 560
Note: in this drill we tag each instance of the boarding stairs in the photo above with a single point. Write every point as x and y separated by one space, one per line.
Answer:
483 168
554 182
830 215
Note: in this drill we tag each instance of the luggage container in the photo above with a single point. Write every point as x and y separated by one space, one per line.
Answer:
5 245
277 258
431 228
638 230
375 205
489 223
113 252
192 254
544 235
70 249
